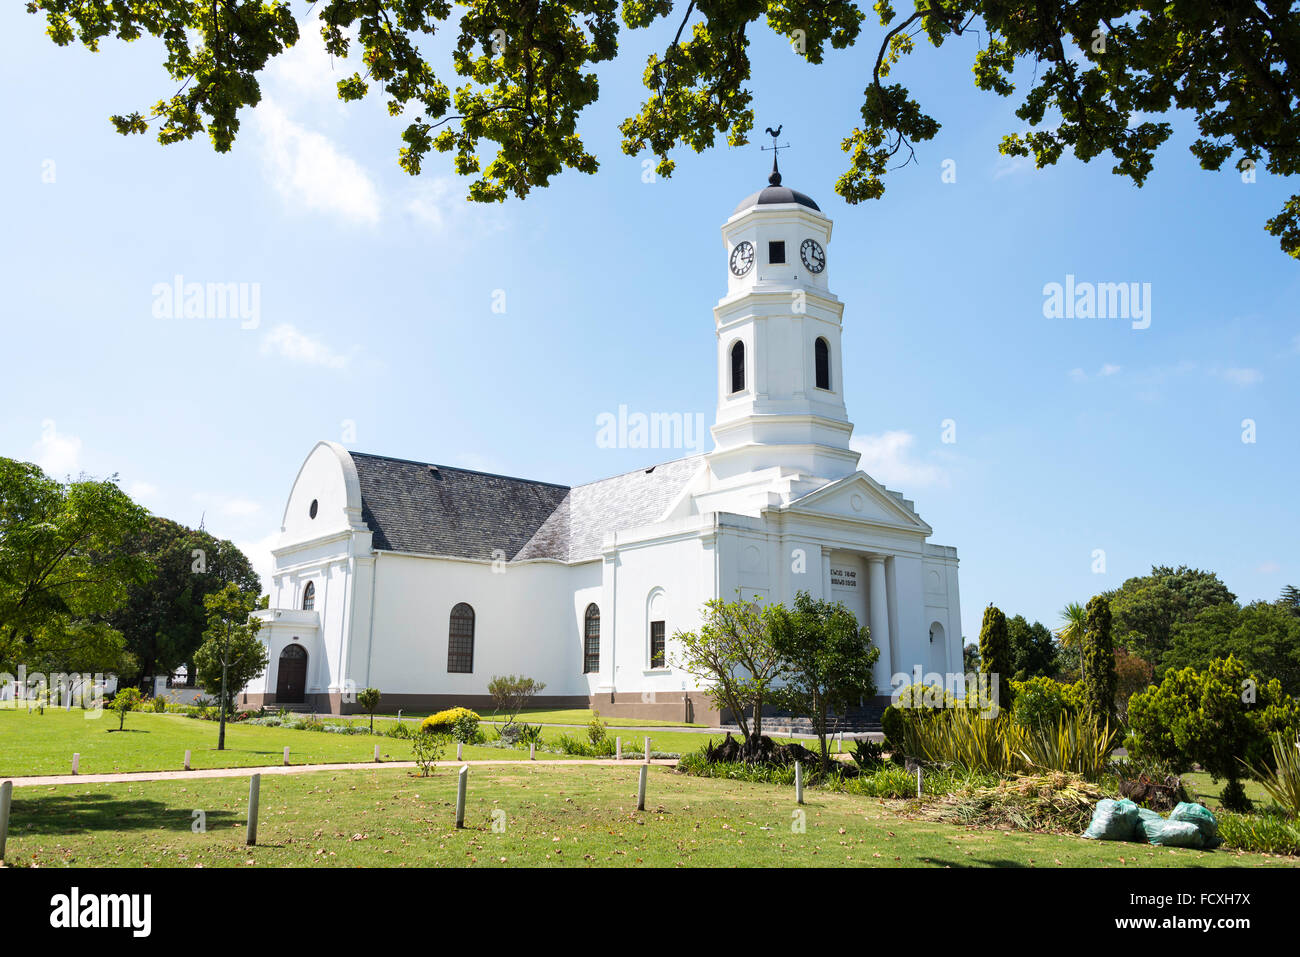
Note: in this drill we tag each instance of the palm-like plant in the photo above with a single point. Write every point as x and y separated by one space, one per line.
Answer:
1074 618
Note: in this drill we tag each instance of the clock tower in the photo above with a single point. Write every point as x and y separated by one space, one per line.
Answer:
781 424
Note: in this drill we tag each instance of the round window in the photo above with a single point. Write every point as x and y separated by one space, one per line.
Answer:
312 510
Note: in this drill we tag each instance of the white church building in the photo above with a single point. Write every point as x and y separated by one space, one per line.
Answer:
426 581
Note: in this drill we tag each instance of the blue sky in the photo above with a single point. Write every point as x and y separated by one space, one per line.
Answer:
376 310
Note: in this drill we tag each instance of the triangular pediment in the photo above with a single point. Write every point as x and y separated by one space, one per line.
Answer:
859 497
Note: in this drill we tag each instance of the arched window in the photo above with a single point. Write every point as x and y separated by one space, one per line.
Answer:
738 367
309 597
460 640
591 640
822 355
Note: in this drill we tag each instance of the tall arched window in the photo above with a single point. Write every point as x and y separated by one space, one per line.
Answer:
591 640
460 640
822 356
738 367
309 597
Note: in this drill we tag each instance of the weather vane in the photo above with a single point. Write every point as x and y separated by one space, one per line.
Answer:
775 178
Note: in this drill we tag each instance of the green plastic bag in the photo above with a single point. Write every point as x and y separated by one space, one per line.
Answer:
1199 815
1173 833
1113 821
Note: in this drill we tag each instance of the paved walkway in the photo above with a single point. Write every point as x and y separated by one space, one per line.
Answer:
127 777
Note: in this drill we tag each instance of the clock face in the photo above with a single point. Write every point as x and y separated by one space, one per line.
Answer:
814 257
742 258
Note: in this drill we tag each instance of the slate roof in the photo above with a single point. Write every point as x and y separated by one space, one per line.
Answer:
436 510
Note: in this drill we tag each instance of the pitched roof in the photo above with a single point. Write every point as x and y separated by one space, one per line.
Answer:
435 510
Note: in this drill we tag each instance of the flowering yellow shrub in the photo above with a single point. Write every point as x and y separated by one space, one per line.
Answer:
460 723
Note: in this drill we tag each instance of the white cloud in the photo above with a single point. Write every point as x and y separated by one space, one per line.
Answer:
1108 369
888 458
431 201
290 343
306 69
56 453
1268 568
309 171
1242 377
1078 375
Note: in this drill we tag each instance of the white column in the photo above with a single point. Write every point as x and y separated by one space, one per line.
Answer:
878 619
826 573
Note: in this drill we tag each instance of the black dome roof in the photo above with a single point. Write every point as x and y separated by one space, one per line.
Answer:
775 193
771 195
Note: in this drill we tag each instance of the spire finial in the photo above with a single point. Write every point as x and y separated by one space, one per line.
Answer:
775 177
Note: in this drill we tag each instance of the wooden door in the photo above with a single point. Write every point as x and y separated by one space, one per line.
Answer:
291 683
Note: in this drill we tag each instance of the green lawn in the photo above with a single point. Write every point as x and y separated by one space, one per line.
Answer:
574 816
1206 791
44 744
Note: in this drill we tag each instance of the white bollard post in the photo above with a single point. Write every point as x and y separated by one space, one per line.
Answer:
376 754
918 780
647 750
187 760
286 754
254 787
461 780
6 799
618 749
532 751
76 760
640 790
460 751
798 783
841 742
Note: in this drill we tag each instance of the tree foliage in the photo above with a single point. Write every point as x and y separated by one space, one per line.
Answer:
163 619
829 661
995 653
1034 650
735 655
511 693
1099 662
1264 636
231 654
64 567
1146 608
1098 76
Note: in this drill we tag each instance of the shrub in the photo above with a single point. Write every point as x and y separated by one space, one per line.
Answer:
1099 681
460 723
397 729
158 705
427 748
965 738
511 693
995 653
1220 718
1282 782
867 754
892 722
596 730
1268 832
1039 702
126 699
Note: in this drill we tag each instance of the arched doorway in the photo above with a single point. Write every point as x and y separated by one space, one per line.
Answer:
938 649
291 681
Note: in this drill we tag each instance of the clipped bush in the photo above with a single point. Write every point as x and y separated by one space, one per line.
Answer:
892 723
461 724
597 730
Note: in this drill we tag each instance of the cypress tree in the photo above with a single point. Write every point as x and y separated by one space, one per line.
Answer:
995 652
1099 681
